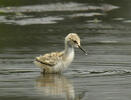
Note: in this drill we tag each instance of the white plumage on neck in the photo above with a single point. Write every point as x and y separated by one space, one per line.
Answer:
68 53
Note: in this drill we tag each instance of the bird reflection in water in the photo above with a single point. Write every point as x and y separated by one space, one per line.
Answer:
56 85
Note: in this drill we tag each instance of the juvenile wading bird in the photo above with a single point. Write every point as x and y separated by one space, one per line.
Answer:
56 62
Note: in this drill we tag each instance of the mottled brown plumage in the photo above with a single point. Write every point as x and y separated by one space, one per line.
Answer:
51 58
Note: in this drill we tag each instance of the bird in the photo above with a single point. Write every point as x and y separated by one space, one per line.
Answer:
56 62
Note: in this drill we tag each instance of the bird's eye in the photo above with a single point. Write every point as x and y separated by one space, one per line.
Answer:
74 41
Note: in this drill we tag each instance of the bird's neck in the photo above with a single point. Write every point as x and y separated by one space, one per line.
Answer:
69 51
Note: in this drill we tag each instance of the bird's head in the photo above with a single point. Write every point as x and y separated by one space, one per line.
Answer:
72 39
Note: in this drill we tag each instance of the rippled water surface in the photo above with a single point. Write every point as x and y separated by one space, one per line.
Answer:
31 28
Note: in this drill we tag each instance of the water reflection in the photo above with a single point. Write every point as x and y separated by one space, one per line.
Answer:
56 85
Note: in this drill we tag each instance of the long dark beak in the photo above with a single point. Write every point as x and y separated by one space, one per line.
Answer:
82 49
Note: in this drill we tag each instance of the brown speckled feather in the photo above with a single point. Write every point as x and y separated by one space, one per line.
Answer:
50 59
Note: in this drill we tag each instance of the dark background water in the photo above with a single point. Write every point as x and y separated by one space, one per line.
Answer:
29 28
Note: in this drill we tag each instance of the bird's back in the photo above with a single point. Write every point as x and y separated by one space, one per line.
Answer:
48 61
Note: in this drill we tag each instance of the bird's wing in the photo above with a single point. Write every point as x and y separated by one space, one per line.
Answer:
50 59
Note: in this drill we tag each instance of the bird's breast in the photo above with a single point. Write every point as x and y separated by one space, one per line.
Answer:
65 61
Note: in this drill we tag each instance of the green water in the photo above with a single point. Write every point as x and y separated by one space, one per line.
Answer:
29 28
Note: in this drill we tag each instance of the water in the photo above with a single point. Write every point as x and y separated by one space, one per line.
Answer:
29 29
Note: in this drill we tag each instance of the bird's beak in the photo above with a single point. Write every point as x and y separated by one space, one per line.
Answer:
82 49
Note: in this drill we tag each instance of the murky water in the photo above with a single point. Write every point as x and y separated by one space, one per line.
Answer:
28 29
